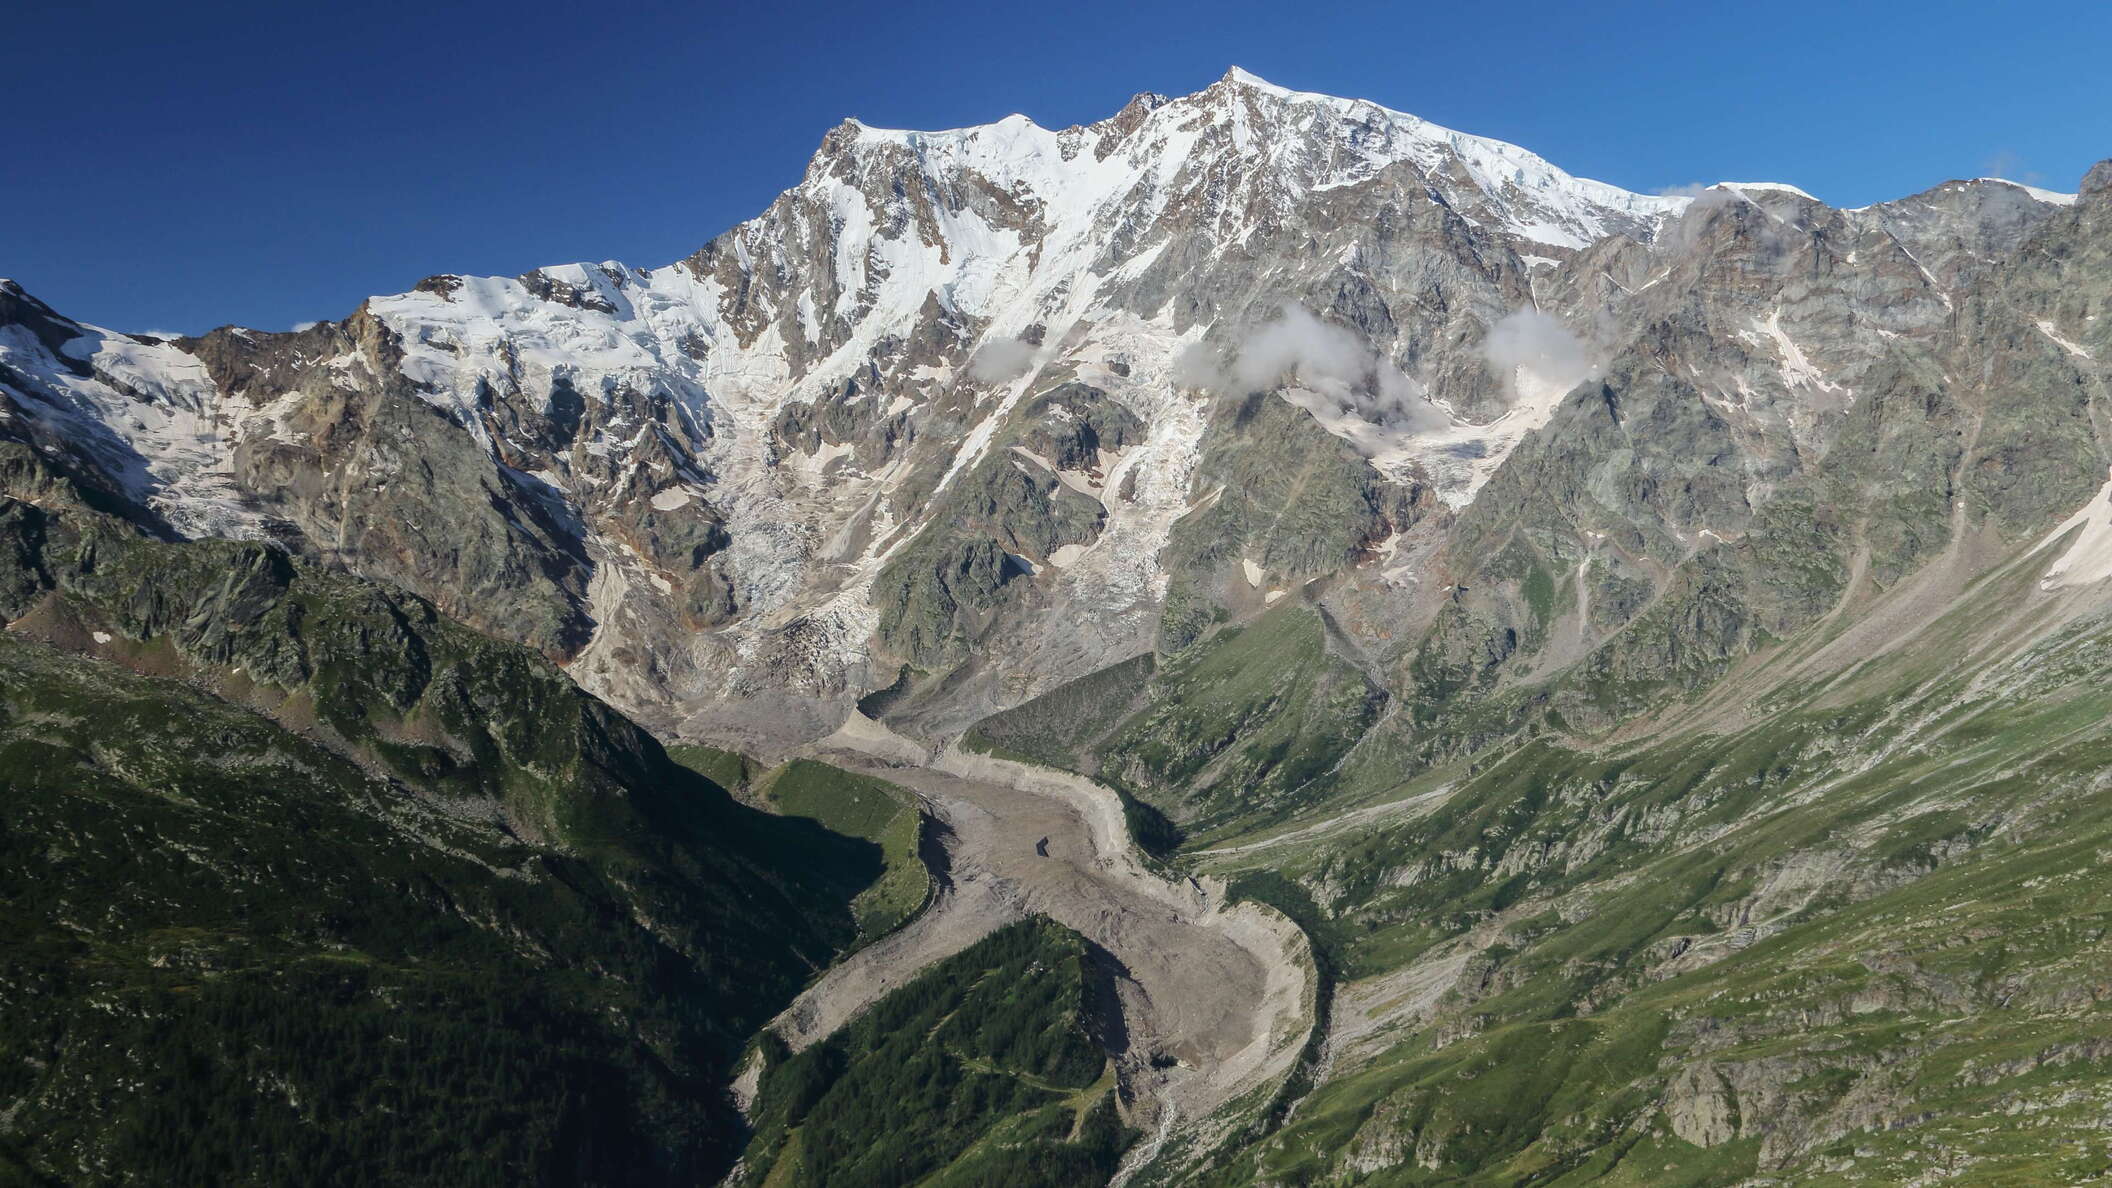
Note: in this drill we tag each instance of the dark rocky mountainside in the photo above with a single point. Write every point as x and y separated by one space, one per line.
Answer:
306 883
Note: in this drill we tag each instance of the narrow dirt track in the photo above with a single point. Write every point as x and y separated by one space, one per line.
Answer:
1215 999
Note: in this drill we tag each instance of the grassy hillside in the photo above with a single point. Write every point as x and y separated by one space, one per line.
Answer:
1857 936
989 1068
860 806
302 883
1237 731
730 770
1839 920
1059 728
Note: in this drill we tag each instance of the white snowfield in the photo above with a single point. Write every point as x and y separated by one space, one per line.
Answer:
154 422
2088 558
1533 198
1764 187
2052 197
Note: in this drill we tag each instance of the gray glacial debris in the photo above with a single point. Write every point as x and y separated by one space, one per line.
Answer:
1216 997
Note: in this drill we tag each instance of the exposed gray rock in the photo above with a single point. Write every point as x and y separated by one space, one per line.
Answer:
989 391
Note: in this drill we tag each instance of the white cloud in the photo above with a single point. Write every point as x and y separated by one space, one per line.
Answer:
2007 164
1352 390
1198 366
1535 354
1337 369
1001 359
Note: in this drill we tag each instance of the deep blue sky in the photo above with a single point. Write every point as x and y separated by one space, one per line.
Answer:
177 167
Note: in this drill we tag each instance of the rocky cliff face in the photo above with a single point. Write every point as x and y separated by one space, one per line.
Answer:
720 481
965 415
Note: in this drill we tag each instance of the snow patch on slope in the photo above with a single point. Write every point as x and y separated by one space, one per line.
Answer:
1797 369
2050 197
2089 558
1765 187
2074 348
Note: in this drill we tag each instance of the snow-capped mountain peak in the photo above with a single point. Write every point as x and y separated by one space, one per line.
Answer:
948 367
1298 140
820 377
1536 200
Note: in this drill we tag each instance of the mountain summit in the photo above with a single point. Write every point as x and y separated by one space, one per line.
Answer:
986 392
